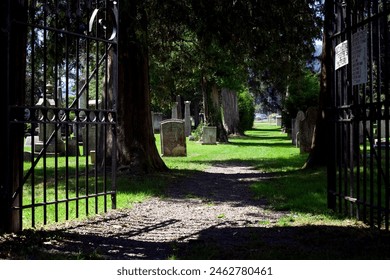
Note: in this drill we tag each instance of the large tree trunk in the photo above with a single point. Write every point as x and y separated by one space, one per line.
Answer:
231 117
212 109
105 142
318 153
136 143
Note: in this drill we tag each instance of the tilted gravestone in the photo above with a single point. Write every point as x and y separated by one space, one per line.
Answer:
306 130
173 139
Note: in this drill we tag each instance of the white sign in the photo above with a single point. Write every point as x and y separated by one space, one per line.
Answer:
359 57
341 58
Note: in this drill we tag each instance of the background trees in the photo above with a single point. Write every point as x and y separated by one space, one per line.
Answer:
196 49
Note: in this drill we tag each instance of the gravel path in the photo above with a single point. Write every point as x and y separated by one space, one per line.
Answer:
208 207
210 215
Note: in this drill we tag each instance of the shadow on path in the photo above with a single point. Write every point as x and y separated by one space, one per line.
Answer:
209 215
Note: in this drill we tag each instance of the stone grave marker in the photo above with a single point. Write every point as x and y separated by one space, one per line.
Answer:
174 111
306 130
47 129
173 139
295 127
209 135
187 118
28 140
156 119
278 120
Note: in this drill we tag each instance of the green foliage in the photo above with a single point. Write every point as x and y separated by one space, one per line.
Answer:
219 41
304 92
246 110
198 132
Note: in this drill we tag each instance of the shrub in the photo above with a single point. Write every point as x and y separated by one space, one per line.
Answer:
246 110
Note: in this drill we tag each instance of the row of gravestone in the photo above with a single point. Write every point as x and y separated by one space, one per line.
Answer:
174 141
157 118
174 131
302 129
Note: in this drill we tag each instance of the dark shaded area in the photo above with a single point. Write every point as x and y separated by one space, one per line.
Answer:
288 243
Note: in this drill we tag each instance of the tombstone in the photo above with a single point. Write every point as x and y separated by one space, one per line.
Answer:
278 120
295 127
28 141
383 124
187 118
174 111
82 101
306 130
293 131
89 139
156 120
173 139
46 130
179 109
209 135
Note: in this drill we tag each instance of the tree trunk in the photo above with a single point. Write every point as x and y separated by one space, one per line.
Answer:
318 153
212 110
136 143
105 142
231 118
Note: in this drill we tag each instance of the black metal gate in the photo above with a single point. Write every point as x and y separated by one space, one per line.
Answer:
358 48
60 92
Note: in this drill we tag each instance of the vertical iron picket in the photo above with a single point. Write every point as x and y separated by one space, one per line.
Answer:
358 178
68 44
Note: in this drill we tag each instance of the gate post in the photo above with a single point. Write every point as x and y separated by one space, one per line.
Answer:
13 62
3 109
331 161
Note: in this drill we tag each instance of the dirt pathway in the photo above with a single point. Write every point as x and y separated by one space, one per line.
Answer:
210 215
194 210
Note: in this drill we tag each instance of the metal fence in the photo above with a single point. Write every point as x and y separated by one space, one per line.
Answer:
61 103
358 49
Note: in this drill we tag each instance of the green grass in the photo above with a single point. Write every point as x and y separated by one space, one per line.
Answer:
286 187
308 230
265 147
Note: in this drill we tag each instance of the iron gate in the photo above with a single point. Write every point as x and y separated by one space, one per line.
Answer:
358 49
60 124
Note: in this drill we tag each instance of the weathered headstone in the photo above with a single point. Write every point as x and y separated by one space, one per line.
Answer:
46 130
209 135
89 135
278 120
156 119
187 118
173 139
179 108
306 130
89 139
174 111
28 141
295 127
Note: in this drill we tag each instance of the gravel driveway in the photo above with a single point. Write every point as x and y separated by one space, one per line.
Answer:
211 215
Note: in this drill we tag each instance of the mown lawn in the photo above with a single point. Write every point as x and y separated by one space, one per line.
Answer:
302 192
